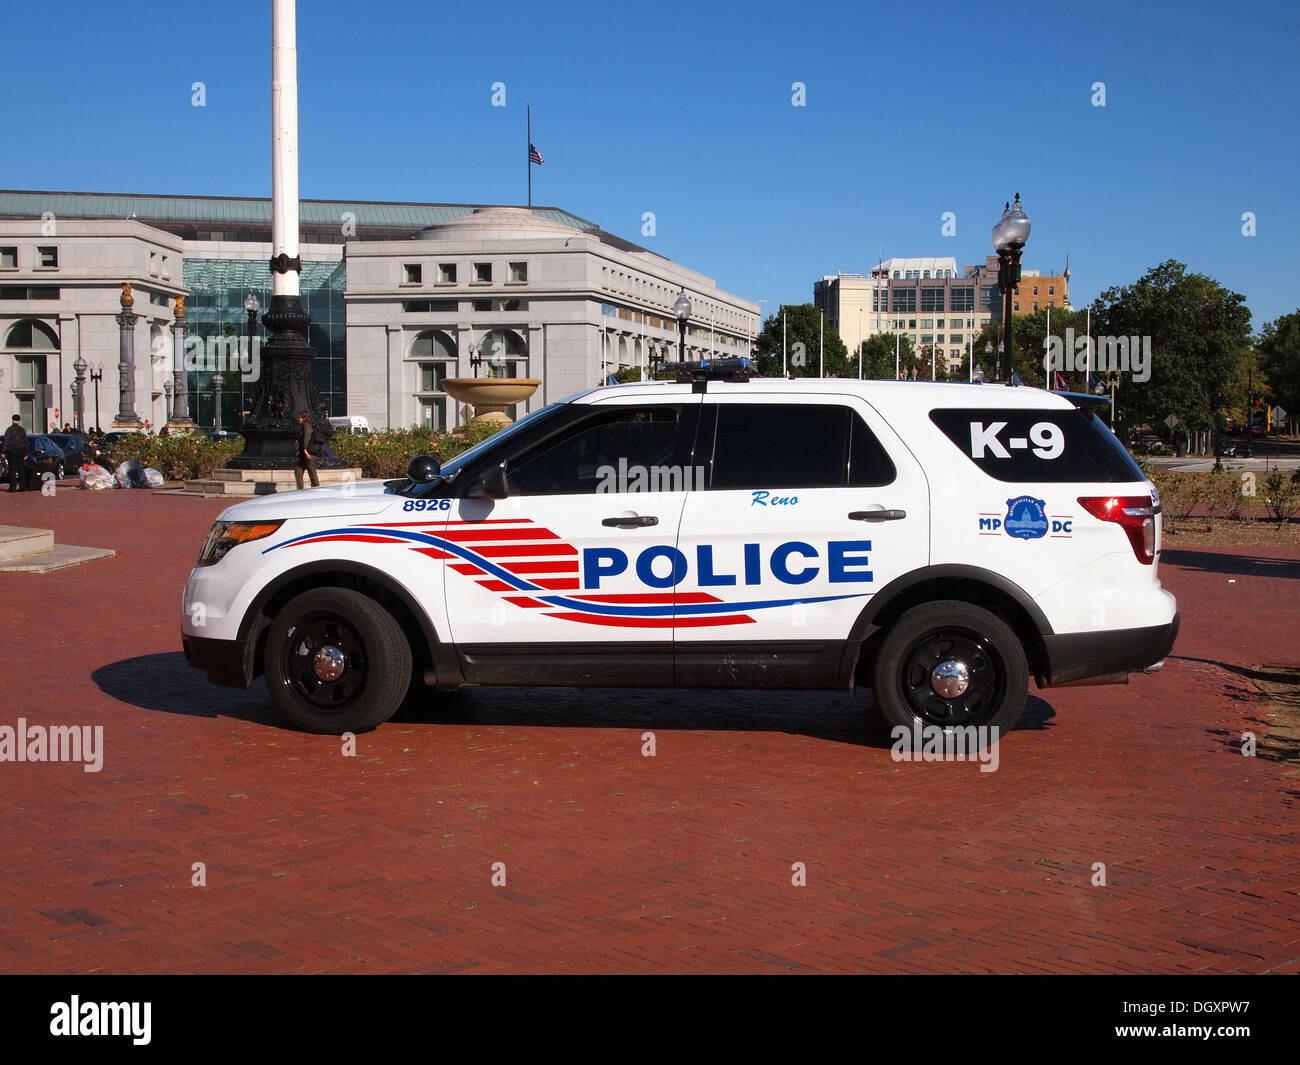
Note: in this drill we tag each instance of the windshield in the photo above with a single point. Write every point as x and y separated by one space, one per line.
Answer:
454 465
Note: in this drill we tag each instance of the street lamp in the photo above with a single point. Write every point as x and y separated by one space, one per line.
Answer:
167 392
79 367
1009 238
217 381
682 308
252 307
97 375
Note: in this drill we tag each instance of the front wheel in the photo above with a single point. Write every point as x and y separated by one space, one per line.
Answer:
951 664
336 662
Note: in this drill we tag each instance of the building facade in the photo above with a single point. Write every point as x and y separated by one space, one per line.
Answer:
401 296
930 301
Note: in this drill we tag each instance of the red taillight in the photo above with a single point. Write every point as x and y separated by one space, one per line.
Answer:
1136 515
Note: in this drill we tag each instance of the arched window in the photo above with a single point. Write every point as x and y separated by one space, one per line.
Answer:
505 352
31 335
433 344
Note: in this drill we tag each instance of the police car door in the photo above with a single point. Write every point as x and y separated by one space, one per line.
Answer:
569 579
810 507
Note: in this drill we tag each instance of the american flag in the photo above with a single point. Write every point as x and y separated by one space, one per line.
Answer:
534 156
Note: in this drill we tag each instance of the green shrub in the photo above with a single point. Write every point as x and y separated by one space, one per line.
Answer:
386 452
179 457
1282 495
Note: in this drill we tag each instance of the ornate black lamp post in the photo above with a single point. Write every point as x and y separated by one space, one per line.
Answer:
1009 238
217 381
682 308
97 375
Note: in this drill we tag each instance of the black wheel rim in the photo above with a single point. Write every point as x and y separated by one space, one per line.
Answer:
325 635
985 668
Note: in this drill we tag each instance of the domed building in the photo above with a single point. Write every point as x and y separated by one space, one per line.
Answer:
509 292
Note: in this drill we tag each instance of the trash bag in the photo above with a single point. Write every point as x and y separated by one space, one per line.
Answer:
94 477
130 474
152 478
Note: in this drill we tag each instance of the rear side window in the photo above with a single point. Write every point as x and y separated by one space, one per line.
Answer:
1055 446
795 445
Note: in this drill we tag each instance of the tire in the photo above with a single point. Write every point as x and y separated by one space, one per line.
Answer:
997 673
373 656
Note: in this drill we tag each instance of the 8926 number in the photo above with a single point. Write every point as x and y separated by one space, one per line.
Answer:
427 504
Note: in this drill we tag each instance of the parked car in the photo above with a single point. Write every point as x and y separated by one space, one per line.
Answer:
43 456
78 449
224 434
940 544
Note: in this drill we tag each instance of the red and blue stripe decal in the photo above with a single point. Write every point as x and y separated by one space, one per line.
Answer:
536 567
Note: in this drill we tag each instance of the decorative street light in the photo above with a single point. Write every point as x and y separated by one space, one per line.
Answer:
97 375
217 381
682 308
252 307
167 393
1009 238
80 366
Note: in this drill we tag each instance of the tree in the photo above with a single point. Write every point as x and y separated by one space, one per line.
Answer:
1278 350
1199 334
878 356
803 323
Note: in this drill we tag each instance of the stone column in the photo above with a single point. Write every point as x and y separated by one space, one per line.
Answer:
180 417
126 415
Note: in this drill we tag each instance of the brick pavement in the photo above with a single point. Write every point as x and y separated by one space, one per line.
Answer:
616 862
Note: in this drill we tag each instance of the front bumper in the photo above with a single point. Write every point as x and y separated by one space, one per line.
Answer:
226 662
1077 656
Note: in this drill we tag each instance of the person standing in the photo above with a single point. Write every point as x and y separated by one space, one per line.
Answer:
306 460
15 449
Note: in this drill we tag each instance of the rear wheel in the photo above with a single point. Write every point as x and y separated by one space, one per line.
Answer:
951 664
336 661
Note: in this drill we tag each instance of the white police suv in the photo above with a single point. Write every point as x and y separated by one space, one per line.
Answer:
938 543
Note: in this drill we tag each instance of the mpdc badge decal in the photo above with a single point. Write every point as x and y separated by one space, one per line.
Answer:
1026 518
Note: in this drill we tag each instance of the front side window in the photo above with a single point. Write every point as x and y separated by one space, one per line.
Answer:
802 446
47 256
615 449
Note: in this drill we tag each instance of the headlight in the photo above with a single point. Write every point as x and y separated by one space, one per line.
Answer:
227 534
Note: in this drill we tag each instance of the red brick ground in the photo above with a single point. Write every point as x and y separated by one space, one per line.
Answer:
614 861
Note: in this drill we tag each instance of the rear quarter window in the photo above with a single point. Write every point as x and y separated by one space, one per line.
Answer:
1053 446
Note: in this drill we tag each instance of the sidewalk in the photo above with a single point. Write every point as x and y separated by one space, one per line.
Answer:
615 862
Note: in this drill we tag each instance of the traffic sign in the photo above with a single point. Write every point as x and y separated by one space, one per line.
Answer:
1172 420
1279 415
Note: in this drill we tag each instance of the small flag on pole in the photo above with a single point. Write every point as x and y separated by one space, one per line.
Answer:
534 156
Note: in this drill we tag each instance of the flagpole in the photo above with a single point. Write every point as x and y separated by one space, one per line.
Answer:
1051 373
528 155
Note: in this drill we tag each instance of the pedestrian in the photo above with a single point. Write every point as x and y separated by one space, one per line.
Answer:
15 449
306 461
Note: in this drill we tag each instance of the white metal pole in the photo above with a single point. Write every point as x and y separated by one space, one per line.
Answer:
1087 352
896 365
1046 348
784 371
821 344
284 143
859 343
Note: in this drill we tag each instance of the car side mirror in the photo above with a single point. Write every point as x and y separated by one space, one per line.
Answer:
493 484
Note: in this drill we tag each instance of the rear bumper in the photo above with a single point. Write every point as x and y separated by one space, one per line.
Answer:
1079 655
226 662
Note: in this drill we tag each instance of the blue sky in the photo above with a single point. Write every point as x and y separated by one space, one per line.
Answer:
685 110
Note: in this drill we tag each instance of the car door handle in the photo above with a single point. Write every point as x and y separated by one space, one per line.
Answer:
631 521
876 515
